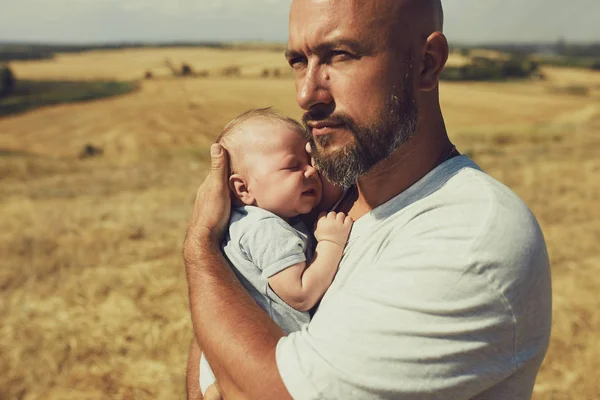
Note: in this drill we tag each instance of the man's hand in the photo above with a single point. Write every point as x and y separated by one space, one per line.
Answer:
333 227
213 204
213 393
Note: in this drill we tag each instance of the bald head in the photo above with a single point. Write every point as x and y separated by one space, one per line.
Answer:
418 17
438 14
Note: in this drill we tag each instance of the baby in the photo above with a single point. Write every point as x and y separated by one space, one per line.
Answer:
268 245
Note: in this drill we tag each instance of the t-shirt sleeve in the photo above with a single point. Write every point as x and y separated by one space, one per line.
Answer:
273 245
449 336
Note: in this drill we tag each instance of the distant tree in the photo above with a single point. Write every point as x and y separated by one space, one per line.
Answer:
561 46
465 52
486 69
7 80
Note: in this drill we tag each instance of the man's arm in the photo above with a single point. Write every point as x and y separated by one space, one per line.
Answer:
193 372
236 335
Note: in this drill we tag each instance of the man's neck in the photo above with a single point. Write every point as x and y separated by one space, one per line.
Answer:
411 162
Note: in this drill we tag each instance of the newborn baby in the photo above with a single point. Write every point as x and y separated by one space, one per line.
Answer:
268 245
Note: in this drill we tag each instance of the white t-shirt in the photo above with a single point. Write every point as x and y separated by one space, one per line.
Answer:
443 292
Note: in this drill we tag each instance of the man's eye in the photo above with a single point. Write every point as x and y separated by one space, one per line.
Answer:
297 62
293 167
340 55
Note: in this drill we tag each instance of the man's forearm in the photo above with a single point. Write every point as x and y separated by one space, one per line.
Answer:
236 335
193 372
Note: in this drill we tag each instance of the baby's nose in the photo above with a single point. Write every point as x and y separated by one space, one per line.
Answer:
310 171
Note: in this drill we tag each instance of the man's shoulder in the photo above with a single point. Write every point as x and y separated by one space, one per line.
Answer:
481 230
469 222
458 198
493 214
485 197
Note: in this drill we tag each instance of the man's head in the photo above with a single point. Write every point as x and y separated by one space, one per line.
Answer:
269 164
367 74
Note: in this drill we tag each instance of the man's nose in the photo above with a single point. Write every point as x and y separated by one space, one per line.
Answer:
312 88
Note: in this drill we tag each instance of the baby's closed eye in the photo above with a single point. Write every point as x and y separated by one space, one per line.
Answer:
292 166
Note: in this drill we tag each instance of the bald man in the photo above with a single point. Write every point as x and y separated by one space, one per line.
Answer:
444 288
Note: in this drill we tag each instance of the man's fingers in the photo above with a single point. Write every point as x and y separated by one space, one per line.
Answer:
308 148
213 201
218 160
212 393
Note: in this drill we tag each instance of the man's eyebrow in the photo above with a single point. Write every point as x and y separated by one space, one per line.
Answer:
352 44
289 54
325 46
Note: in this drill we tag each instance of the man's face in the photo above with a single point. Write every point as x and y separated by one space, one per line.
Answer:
354 82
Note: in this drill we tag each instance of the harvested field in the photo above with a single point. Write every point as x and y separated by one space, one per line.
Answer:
94 297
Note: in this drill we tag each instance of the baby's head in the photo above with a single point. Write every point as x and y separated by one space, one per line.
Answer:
270 167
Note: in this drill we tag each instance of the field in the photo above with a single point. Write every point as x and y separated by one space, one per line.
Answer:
94 298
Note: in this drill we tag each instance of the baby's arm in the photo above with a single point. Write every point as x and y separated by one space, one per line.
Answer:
302 286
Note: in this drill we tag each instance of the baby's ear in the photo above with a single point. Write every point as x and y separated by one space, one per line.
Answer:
238 186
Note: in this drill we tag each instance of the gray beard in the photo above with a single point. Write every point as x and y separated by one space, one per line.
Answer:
373 144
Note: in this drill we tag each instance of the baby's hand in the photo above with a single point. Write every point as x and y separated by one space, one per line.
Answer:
333 227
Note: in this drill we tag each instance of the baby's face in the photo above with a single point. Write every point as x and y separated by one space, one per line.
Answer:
280 176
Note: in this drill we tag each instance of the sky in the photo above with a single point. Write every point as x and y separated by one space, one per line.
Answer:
84 21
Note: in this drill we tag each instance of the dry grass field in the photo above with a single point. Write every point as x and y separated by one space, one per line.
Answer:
94 298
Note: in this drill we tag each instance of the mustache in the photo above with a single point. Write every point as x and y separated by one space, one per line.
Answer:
334 118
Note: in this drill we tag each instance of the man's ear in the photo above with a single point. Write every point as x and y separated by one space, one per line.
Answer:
238 186
434 61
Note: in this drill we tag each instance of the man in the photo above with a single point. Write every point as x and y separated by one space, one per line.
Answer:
444 288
